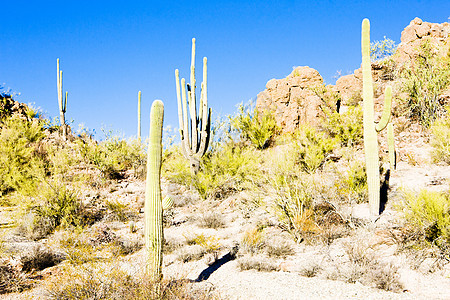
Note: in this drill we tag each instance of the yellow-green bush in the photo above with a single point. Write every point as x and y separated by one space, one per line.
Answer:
427 76
312 147
429 213
347 127
441 139
20 164
259 128
352 186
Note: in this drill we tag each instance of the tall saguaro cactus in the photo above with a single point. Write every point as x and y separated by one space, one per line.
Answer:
139 117
153 203
62 102
195 146
371 128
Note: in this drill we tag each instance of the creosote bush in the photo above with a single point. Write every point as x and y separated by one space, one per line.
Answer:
429 213
258 128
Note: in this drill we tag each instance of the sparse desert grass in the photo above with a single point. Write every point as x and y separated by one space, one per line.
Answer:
279 247
197 246
212 219
258 263
310 270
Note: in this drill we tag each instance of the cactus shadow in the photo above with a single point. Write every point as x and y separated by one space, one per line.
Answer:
384 191
206 273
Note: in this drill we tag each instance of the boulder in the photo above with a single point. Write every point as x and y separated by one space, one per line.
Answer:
292 100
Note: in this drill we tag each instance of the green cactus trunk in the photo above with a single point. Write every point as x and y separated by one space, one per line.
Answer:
139 117
153 203
370 127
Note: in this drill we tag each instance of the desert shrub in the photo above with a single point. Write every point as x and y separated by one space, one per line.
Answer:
312 147
352 186
427 76
114 156
429 213
279 248
12 280
346 127
253 240
258 128
20 167
441 139
226 170
293 207
380 50
212 220
40 259
100 281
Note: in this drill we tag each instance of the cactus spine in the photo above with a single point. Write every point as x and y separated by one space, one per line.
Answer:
153 203
195 146
139 117
62 103
370 127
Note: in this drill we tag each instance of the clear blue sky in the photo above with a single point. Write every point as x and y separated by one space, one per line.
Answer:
109 50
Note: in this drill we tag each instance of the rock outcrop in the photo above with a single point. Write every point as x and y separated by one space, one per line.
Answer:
9 107
292 100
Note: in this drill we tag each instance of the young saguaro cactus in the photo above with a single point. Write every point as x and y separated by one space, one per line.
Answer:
62 102
371 128
139 117
195 146
153 209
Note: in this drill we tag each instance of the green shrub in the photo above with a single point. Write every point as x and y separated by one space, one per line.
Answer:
424 80
20 166
353 184
441 139
346 127
114 156
312 147
259 128
429 213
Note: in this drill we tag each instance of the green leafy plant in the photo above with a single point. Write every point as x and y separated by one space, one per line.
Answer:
353 184
259 128
424 79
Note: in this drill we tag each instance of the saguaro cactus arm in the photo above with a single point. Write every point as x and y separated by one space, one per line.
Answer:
153 204
386 116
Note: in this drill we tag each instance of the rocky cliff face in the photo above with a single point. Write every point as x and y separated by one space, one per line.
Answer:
293 101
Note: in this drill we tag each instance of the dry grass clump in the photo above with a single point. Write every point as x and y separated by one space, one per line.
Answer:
12 280
279 247
98 281
253 240
197 246
39 259
257 262
362 266
311 270
212 220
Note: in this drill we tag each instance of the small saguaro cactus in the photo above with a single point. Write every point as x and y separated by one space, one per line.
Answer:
153 208
371 128
195 146
139 117
62 103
